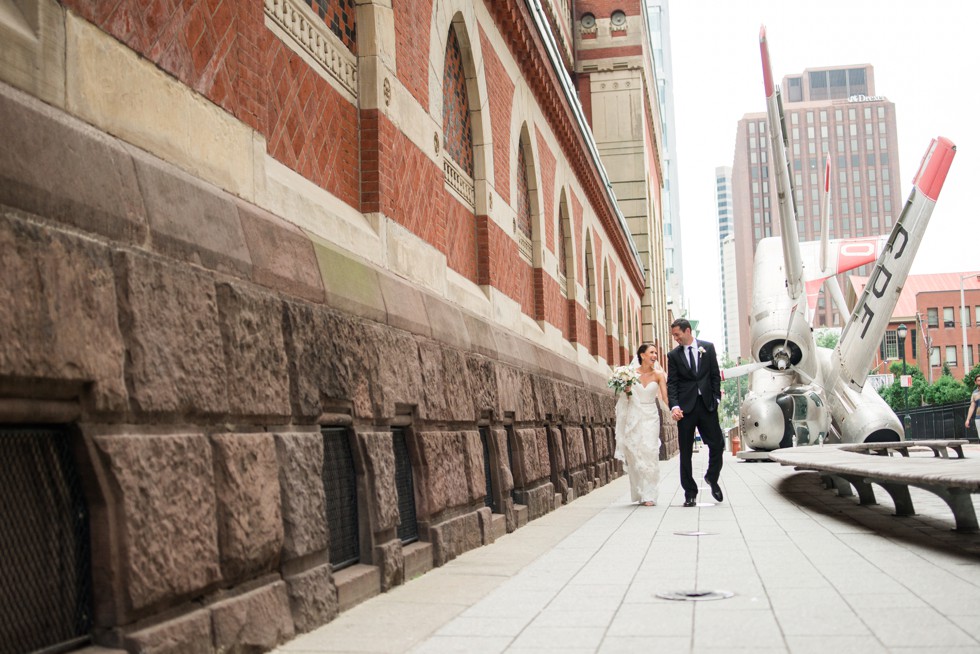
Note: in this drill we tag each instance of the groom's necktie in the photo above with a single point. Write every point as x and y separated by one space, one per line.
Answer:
690 358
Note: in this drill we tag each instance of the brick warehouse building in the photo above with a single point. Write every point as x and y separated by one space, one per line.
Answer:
305 298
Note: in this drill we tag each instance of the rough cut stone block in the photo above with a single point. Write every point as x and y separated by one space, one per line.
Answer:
59 320
397 371
170 322
531 459
188 634
539 500
330 355
304 503
498 450
476 475
254 622
312 598
282 255
443 482
516 393
60 168
483 385
454 537
255 353
167 537
574 447
379 462
391 564
446 388
250 531
190 220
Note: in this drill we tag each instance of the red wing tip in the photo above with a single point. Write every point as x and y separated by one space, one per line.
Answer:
762 33
935 164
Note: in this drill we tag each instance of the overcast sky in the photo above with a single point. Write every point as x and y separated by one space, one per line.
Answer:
925 57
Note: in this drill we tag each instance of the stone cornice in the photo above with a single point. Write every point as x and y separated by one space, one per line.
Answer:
517 27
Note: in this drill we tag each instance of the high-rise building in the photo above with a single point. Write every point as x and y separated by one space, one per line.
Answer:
726 252
659 17
828 112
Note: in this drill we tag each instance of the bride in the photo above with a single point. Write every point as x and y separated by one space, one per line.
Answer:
638 427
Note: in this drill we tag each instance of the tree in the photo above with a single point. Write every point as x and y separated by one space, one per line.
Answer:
973 374
730 401
895 395
827 337
947 390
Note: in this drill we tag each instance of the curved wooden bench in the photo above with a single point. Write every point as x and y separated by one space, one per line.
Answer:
940 448
843 467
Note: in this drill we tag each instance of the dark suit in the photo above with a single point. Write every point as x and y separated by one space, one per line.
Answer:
698 395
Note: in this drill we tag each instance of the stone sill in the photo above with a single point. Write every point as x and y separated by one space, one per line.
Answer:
356 584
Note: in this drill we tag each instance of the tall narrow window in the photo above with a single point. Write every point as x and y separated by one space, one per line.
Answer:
408 528
340 487
523 207
457 126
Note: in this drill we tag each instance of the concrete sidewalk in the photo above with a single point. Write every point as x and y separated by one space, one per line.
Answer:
810 572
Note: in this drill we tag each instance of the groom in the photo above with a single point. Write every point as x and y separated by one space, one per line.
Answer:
694 392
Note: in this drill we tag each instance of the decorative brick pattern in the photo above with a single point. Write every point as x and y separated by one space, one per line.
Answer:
500 89
457 128
546 164
460 246
213 47
523 197
312 129
413 22
340 16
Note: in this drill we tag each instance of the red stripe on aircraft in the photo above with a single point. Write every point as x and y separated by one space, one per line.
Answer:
766 66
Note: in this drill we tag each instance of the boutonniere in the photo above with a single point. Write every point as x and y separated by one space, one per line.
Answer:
700 350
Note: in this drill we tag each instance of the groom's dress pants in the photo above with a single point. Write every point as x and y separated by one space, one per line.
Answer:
706 422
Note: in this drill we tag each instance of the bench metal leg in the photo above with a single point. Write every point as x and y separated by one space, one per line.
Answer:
901 498
865 492
961 503
940 452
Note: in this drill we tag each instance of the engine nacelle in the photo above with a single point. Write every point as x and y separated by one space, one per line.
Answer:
780 334
796 415
867 417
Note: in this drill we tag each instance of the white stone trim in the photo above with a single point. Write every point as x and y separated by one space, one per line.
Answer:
307 32
459 182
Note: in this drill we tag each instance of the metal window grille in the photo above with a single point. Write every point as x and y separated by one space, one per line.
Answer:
488 498
45 556
408 527
340 485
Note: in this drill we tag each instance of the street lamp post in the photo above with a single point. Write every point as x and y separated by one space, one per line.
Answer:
902 333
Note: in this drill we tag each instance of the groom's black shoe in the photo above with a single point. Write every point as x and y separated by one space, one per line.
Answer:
690 500
715 490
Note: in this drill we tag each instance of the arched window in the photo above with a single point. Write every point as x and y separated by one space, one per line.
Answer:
524 242
456 124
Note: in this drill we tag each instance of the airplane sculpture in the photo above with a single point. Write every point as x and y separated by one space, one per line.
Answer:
804 394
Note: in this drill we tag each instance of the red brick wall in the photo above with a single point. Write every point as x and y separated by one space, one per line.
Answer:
604 53
600 299
212 47
502 266
312 129
460 244
546 167
553 306
583 82
500 89
413 22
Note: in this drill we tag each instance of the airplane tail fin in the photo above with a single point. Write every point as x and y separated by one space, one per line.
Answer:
866 326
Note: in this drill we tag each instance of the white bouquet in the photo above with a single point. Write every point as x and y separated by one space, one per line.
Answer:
623 377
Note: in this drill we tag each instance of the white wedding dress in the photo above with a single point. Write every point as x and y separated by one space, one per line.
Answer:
638 440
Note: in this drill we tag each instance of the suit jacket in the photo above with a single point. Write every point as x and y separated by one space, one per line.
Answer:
683 383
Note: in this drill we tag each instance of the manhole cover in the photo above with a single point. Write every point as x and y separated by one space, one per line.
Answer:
696 595
696 533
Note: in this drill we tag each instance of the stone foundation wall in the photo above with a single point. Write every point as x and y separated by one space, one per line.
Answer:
194 346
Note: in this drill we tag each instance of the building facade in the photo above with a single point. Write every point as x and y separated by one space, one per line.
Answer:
659 17
305 298
938 319
829 113
726 253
